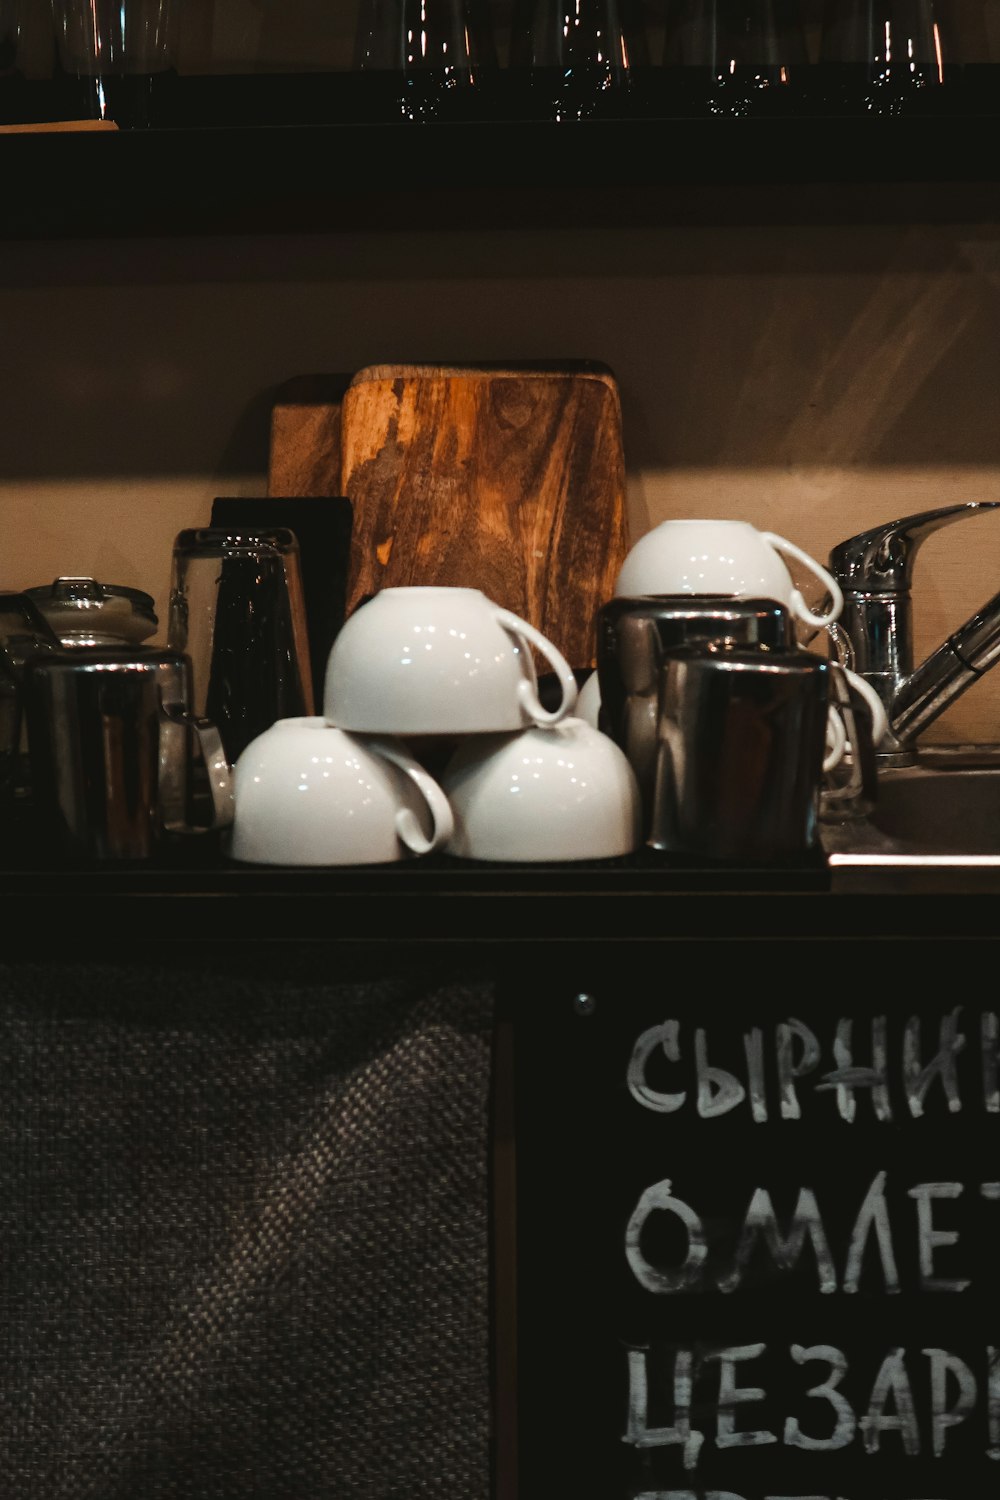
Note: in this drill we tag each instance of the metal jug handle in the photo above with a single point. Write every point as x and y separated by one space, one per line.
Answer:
173 771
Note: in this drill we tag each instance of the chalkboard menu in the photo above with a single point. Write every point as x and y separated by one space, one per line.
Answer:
759 1230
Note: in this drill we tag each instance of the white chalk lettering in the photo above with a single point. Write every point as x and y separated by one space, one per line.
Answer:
917 1079
790 1068
710 1495
873 1213
895 1078
659 1199
892 1382
989 1041
930 1238
687 1495
765 1240
845 1423
847 1076
719 1091
665 1037
639 1433
753 1046
705 1387
944 1416
732 1395
784 1249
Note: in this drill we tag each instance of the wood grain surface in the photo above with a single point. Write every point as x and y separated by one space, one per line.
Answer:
304 454
507 479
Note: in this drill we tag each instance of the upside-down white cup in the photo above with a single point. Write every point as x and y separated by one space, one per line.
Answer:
306 793
561 792
428 660
682 556
723 557
588 703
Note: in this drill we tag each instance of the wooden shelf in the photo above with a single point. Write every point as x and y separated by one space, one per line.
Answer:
261 155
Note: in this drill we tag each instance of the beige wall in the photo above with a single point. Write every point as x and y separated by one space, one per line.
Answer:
814 381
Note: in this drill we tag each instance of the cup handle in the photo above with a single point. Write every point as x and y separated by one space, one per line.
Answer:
880 721
407 824
528 687
173 781
860 791
844 659
837 734
782 544
836 739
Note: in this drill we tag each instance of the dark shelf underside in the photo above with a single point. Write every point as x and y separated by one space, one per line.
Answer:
223 165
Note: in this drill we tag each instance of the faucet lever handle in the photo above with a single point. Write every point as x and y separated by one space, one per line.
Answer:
881 560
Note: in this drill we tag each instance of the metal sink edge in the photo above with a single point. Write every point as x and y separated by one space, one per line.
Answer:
935 826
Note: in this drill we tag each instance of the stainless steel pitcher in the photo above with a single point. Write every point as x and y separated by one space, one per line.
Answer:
741 741
114 751
633 637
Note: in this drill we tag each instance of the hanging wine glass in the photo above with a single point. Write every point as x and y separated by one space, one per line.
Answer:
428 59
117 59
732 57
884 56
578 59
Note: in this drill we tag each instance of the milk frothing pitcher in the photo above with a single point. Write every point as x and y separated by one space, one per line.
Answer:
115 753
633 638
741 742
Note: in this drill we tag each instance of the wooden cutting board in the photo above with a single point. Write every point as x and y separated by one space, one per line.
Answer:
304 456
507 479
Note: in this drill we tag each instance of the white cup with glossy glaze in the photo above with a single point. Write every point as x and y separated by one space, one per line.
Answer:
588 703
724 557
557 792
306 793
702 557
439 661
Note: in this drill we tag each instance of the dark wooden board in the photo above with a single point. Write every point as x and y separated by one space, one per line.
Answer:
305 436
506 479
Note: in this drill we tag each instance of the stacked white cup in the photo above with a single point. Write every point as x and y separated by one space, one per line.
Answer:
449 667
308 793
421 668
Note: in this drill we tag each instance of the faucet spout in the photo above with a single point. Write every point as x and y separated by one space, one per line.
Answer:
945 674
875 572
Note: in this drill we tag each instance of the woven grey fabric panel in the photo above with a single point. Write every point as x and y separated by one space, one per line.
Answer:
243 1232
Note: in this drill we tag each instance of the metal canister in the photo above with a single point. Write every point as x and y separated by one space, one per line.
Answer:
84 612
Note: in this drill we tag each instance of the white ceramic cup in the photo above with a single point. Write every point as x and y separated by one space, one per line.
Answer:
723 557
306 793
735 558
588 703
561 792
428 660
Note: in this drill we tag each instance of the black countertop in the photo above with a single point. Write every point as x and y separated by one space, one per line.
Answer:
458 905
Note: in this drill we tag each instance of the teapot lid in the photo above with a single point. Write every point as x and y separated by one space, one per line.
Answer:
83 611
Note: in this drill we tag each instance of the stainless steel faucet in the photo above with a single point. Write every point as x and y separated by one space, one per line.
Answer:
875 572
